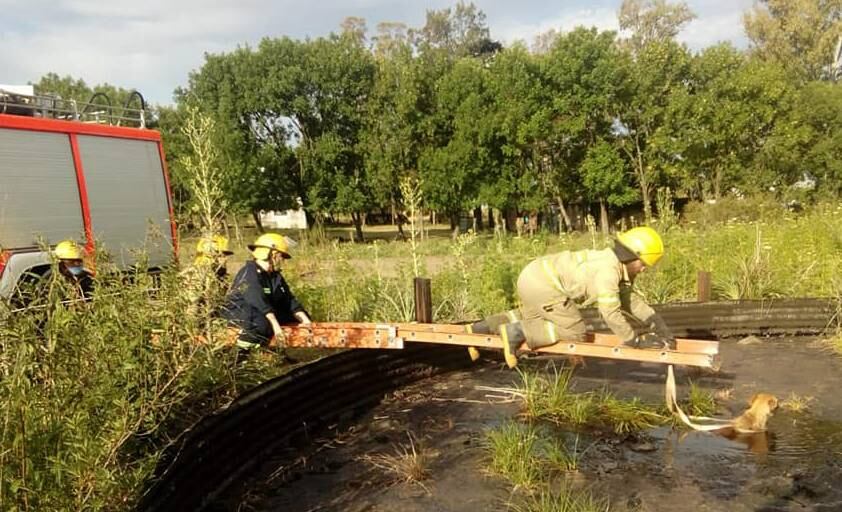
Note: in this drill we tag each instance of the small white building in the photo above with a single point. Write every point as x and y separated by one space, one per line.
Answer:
287 219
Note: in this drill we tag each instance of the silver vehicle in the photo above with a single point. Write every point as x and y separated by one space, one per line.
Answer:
80 172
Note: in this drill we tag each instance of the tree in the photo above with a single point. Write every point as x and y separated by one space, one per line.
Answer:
392 134
354 28
723 120
519 122
464 149
656 75
260 171
459 33
543 42
113 98
806 143
605 179
800 35
329 115
588 77
652 21
391 37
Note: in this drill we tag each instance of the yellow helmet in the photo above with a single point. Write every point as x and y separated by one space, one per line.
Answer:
645 242
211 246
268 242
68 250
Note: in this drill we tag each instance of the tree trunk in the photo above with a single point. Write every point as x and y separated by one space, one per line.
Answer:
566 225
603 216
393 211
358 225
717 183
257 223
477 219
643 180
491 224
647 203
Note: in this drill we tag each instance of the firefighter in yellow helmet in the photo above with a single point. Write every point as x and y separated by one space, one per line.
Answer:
260 300
71 266
213 251
205 280
552 287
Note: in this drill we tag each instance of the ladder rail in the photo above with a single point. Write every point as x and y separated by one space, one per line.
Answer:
688 352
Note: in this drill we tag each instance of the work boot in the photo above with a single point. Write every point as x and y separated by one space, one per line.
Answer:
512 335
473 353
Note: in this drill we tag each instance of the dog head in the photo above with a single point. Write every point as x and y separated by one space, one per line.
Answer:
763 402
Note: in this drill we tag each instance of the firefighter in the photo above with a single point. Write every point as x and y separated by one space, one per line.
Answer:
206 277
260 300
213 252
552 287
72 267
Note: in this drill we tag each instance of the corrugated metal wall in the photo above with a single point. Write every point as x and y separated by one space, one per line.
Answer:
39 196
127 197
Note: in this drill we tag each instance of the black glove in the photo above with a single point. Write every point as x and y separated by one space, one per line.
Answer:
663 333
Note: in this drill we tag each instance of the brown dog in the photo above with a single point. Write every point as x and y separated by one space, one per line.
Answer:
762 405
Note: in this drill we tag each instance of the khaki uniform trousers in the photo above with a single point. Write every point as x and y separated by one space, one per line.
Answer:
547 315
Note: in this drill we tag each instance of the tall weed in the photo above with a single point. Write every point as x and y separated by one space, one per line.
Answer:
92 391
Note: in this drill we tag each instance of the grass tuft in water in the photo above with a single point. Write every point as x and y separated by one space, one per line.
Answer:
797 403
550 398
700 402
513 454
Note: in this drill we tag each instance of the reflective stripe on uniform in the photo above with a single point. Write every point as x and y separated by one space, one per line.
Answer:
607 299
512 314
551 331
247 345
551 275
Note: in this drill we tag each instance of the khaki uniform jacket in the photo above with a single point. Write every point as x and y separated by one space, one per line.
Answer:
587 277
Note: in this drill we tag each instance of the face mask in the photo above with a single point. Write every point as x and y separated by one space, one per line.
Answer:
76 271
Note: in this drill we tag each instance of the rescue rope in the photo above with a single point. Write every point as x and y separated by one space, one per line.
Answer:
707 425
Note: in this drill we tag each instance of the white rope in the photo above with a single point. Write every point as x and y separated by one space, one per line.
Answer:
672 405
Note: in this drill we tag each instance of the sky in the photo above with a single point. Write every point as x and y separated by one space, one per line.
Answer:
153 45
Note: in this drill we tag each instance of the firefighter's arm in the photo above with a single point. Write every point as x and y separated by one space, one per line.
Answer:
608 303
276 327
644 312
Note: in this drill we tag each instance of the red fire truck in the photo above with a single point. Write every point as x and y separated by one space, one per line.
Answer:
85 172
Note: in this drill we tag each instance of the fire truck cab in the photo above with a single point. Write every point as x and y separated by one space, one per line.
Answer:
81 172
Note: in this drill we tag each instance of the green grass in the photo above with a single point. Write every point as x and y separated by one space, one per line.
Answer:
513 451
565 500
700 402
549 397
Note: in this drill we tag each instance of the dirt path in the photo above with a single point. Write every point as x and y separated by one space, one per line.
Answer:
797 467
